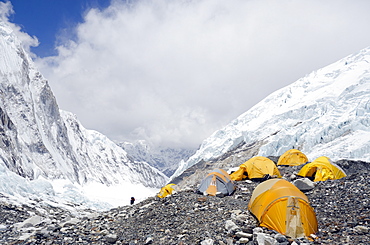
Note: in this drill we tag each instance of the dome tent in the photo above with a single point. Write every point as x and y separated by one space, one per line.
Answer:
292 157
279 205
239 174
256 168
218 182
322 169
166 190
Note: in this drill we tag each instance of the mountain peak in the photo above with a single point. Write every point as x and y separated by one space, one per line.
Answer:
40 141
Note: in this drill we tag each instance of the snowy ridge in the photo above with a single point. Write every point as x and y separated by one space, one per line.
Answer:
95 150
38 141
164 159
325 113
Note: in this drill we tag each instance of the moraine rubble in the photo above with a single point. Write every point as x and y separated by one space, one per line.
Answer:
342 208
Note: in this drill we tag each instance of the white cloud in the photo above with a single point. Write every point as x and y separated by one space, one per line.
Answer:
6 9
174 72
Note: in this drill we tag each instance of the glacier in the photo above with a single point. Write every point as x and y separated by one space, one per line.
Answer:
325 113
44 149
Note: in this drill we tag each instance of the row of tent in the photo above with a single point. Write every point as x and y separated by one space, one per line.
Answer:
259 167
276 203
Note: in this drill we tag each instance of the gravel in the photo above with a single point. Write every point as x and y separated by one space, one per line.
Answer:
342 208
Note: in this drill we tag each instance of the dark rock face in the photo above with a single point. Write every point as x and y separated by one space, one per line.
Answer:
342 208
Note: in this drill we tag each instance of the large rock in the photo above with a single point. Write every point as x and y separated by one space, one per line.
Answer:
304 184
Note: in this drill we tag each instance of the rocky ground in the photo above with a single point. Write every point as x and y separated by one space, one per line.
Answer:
342 208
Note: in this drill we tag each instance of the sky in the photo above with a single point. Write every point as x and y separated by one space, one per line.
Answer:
174 71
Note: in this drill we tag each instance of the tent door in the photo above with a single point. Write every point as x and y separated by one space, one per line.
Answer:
212 188
294 227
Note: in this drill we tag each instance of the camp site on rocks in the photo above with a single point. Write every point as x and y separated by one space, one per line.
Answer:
341 206
61 183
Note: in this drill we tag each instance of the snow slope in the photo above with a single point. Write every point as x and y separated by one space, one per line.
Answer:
38 141
324 113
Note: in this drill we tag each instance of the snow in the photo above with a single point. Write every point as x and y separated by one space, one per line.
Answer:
119 195
46 153
62 192
325 113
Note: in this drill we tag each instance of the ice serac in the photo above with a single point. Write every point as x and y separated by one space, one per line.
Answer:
37 139
326 113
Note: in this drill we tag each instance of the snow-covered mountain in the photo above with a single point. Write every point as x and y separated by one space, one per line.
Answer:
37 140
326 113
164 159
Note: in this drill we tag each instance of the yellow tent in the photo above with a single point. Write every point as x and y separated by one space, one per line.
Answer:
239 174
292 157
322 169
165 191
281 206
256 168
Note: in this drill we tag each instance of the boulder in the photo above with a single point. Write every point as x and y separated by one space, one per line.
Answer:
304 184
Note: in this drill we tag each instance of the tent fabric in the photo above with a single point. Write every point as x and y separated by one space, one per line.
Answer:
256 168
217 182
239 174
292 157
166 190
322 169
279 205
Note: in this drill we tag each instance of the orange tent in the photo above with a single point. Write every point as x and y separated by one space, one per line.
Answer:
322 169
166 190
256 168
281 206
292 157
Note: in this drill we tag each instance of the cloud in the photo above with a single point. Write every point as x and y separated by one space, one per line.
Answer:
173 72
6 10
